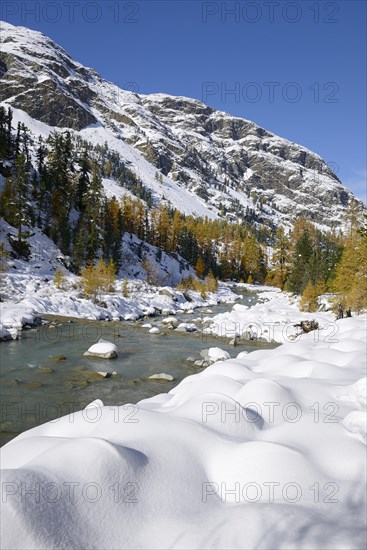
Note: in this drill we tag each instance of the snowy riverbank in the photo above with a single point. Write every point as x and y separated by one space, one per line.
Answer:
27 288
264 451
28 296
271 319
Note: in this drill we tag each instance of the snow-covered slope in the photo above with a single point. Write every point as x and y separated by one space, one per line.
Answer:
208 163
263 451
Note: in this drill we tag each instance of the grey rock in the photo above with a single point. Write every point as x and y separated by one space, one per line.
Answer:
205 354
108 355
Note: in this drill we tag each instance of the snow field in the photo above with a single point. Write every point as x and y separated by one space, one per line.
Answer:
266 450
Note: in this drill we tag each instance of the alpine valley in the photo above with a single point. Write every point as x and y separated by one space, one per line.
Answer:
122 214
196 184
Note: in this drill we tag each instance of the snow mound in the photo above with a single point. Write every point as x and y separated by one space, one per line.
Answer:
262 451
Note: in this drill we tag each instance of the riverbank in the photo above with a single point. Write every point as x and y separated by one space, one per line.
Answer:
27 297
263 451
274 318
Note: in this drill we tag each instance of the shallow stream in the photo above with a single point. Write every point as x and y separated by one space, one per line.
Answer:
44 375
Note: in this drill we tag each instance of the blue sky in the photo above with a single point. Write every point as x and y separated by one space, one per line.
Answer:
296 68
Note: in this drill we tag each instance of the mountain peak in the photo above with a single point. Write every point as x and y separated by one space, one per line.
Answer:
210 162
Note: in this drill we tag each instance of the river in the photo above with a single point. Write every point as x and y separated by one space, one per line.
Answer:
44 375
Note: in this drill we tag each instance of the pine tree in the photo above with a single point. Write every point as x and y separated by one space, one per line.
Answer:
61 173
300 269
112 230
83 181
281 256
19 184
6 139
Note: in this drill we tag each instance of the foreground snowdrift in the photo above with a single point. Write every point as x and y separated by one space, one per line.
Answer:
263 451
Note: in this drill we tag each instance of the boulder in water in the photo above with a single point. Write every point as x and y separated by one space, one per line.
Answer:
161 376
170 321
102 350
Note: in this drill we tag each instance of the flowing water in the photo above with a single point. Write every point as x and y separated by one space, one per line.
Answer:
44 375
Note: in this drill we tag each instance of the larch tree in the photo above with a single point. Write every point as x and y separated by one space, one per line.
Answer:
350 281
200 267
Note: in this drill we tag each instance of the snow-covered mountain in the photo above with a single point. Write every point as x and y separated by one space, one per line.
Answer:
203 161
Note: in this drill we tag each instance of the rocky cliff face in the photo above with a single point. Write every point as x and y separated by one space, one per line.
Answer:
182 149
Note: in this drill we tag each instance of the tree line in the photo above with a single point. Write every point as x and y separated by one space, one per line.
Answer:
310 262
56 185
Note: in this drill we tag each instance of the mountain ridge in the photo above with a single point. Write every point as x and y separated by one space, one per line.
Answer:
224 166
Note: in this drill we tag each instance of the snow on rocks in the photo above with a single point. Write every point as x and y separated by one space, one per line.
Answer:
102 350
186 327
167 291
271 319
246 454
162 376
17 315
8 334
170 321
212 355
154 330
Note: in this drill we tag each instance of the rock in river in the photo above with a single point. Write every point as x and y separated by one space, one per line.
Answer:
102 350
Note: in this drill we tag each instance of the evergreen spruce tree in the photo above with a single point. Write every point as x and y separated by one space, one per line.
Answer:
281 256
6 138
300 270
